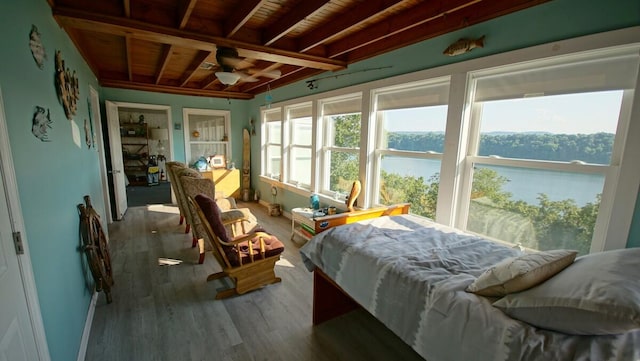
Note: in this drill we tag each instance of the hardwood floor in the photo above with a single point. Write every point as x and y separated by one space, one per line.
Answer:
169 312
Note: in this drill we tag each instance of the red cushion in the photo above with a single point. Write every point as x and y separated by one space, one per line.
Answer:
272 247
212 213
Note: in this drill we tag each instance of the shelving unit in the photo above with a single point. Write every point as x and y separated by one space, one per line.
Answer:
135 152
302 223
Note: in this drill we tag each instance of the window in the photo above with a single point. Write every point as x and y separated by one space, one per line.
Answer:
410 123
341 120
206 134
299 117
272 143
543 147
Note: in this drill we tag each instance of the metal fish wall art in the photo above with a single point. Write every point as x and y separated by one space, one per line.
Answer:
463 46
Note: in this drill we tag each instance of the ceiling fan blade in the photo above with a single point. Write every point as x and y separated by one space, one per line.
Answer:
246 77
274 74
236 63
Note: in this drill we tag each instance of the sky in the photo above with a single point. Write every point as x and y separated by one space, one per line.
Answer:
582 113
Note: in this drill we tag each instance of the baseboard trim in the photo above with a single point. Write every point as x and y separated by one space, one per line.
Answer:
87 327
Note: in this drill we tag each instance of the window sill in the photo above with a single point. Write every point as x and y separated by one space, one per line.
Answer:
324 199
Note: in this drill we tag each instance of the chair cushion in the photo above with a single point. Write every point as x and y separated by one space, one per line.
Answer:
272 247
212 213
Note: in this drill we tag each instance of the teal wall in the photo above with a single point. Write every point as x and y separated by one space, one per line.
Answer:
238 108
52 176
552 21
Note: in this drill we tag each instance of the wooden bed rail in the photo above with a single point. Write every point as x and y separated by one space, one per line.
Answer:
329 300
326 222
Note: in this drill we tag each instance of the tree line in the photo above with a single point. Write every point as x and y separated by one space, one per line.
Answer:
589 148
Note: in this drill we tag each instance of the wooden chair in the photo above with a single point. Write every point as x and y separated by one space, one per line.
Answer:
248 259
192 186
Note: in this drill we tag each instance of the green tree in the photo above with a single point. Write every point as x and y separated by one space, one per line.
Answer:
344 165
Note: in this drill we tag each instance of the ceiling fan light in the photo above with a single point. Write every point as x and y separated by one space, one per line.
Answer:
227 78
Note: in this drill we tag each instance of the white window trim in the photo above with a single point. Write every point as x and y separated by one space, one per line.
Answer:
265 142
186 112
291 145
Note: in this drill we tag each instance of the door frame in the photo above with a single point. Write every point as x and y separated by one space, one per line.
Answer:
167 110
17 224
99 144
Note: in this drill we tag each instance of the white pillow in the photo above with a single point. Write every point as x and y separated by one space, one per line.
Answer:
519 273
598 294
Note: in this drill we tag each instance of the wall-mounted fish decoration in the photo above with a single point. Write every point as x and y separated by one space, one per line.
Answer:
464 45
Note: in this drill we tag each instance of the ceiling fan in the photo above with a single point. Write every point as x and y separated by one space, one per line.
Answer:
234 68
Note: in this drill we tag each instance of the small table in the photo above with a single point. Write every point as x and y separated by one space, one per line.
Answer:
303 223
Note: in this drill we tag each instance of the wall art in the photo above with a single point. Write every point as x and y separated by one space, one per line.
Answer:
37 49
93 133
87 133
66 87
41 121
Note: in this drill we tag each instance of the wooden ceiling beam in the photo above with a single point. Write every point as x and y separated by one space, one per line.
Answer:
241 15
413 18
173 89
195 64
126 6
291 19
155 33
210 80
468 16
164 61
186 8
345 22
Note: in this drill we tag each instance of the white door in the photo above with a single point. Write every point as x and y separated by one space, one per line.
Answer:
117 165
99 145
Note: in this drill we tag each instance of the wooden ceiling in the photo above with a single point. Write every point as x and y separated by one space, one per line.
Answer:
167 45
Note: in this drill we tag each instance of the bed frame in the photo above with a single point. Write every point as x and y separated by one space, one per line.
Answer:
329 300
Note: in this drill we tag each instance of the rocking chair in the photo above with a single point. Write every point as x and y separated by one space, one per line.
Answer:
247 259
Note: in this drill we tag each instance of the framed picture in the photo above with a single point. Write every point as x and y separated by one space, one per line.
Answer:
217 161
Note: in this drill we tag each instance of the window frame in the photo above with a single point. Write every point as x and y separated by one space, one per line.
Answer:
327 146
379 150
266 144
292 146
610 172
226 114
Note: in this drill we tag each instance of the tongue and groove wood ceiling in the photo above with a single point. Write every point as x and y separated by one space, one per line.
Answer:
170 46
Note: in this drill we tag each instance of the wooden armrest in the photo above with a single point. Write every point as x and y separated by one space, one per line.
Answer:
246 237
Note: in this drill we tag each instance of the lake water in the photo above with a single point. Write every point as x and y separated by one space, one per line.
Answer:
523 184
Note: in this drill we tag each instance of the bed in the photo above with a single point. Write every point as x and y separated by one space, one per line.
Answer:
412 275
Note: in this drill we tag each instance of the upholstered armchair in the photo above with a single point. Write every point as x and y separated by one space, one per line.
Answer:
172 168
247 259
192 186
182 199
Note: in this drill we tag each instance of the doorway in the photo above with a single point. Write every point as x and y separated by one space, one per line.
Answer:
140 139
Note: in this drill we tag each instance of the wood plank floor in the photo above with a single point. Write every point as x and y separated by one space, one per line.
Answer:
169 312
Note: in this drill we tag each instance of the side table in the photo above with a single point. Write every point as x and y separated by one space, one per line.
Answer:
302 223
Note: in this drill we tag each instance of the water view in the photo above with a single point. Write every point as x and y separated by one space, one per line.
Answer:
523 184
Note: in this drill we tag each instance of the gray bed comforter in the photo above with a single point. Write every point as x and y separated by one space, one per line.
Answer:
410 273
